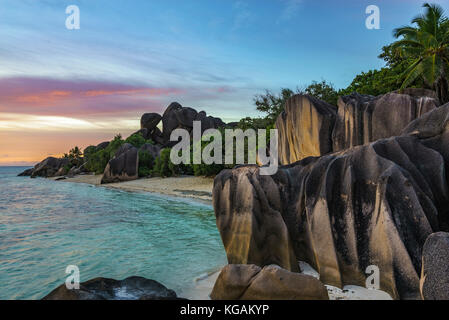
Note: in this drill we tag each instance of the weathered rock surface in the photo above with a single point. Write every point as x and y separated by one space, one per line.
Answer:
374 204
124 166
250 282
177 116
310 127
305 128
26 173
47 168
362 119
435 267
152 149
102 146
132 288
150 121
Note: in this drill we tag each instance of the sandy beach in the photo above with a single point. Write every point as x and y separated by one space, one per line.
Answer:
198 188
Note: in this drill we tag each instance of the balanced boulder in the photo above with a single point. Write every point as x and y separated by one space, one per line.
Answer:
179 117
150 121
250 282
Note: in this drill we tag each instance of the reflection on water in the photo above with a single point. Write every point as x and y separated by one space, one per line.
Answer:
47 225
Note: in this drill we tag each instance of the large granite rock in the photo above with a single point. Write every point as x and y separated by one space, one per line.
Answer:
102 146
124 166
152 149
305 128
150 121
250 282
132 288
362 119
177 116
49 167
310 127
374 204
435 267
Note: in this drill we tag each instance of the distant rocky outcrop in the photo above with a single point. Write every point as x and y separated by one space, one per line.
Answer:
102 146
153 150
177 116
124 166
50 167
132 288
250 282
374 204
310 127
435 267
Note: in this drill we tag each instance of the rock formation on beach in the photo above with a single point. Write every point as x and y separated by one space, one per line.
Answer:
435 267
250 282
371 204
310 127
132 288
124 165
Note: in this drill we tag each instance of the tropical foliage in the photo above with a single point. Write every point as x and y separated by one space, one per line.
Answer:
426 46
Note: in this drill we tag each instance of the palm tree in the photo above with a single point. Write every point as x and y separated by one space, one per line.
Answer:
427 47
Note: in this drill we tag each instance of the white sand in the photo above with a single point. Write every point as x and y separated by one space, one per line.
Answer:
348 292
199 188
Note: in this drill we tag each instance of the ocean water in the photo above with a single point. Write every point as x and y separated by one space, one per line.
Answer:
46 226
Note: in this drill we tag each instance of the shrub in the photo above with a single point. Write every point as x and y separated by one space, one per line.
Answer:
146 162
163 167
137 140
97 161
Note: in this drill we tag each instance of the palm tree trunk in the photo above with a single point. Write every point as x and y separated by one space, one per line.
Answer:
442 89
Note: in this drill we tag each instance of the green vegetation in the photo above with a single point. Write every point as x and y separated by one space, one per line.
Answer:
97 160
426 47
137 140
146 162
163 167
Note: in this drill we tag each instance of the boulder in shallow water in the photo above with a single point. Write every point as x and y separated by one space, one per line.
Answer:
132 288
250 282
435 267
49 167
26 173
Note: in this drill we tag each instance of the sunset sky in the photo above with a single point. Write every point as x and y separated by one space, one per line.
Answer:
60 88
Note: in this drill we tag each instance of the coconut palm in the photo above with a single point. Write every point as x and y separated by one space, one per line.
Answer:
427 46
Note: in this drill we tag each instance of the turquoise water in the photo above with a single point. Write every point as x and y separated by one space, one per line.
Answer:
46 226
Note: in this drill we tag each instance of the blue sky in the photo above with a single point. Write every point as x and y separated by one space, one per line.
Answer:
213 55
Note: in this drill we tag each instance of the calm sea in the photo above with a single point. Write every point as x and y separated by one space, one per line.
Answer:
46 226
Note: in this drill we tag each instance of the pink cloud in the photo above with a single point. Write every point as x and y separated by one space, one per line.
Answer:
65 97
88 98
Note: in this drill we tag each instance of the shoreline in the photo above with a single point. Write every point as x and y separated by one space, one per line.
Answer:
198 189
188 187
